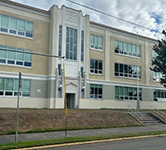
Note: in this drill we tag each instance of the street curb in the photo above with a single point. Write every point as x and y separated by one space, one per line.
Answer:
91 142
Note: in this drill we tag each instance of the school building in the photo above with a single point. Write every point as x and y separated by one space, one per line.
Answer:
105 67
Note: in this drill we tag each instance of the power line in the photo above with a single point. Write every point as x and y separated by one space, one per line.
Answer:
33 53
99 11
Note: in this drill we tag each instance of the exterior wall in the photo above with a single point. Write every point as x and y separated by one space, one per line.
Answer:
38 44
11 102
96 104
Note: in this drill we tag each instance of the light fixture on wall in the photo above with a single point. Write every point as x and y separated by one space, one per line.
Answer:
83 88
60 86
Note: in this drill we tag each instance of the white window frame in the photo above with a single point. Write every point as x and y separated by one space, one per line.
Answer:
15 60
125 52
123 74
13 91
25 32
95 45
97 95
96 68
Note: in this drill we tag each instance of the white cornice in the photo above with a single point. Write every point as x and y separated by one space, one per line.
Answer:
124 84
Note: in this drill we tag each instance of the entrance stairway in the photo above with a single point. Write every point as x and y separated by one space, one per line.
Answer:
154 117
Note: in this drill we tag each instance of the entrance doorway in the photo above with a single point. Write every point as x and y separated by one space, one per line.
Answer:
70 100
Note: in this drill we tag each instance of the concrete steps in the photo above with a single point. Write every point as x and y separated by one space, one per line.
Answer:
147 118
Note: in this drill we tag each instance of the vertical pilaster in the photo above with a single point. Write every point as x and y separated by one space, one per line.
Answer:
52 61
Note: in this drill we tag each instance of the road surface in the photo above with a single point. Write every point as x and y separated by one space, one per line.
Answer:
157 143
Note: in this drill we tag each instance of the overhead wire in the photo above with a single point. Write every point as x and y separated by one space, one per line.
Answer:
107 14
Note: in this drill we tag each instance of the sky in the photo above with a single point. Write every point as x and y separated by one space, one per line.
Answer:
148 13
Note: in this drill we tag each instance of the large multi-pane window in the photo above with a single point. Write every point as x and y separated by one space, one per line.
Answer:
60 41
127 93
71 43
127 49
16 26
96 42
96 66
159 95
15 58
82 46
9 87
96 91
128 71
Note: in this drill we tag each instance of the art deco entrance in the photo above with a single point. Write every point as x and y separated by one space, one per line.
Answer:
70 100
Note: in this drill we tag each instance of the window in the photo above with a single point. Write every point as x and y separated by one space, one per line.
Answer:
128 71
71 43
82 72
16 26
154 54
159 95
60 41
59 69
127 93
127 49
96 42
82 46
15 58
9 87
96 66
96 91
157 76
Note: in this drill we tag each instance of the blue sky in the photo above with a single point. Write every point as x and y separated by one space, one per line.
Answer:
149 13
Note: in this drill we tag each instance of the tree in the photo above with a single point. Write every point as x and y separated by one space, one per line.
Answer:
159 62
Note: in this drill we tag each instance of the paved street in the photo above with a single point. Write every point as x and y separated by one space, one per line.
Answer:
157 143
78 133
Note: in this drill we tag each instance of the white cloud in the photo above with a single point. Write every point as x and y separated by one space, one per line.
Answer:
139 12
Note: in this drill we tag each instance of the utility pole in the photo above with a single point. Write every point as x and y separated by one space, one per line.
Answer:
18 102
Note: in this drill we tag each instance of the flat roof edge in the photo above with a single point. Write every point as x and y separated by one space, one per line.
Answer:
25 6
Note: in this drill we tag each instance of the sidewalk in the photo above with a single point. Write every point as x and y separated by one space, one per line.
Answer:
78 133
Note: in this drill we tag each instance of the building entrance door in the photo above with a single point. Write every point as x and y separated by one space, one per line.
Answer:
70 100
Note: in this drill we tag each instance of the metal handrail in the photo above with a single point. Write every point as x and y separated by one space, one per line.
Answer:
157 113
135 113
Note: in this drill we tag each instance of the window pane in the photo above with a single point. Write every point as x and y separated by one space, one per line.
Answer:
121 90
91 89
125 47
20 56
21 25
129 48
134 49
92 64
120 45
13 23
92 39
139 50
16 84
28 57
29 26
100 65
116 45
2 83
26 86
117 91
4 21
11 55
9 84
2 54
